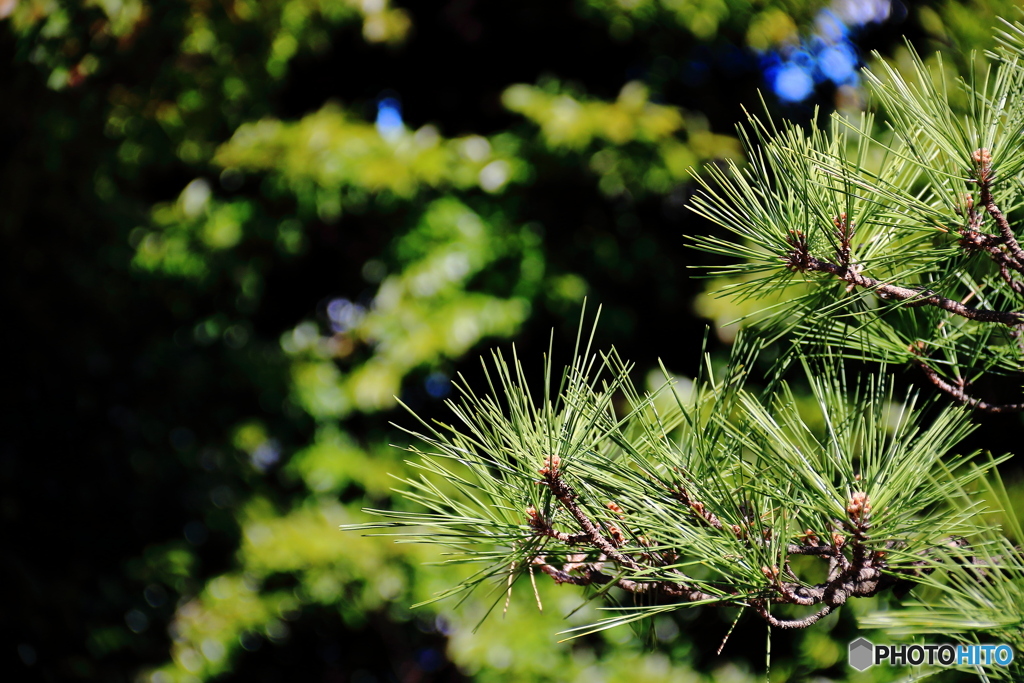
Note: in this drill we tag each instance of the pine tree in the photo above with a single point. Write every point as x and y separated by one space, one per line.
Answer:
890 244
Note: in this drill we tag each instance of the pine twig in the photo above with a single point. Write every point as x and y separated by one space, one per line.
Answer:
983 158
973 239
800 259
860 575
787 624
958 393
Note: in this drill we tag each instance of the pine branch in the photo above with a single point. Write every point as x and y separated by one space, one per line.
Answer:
567 497
801 260
985 175
973 239
793 209
739 492
863 574
958 392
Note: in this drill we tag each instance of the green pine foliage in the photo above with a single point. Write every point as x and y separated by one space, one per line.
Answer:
972 592
898 244
892 242
727 496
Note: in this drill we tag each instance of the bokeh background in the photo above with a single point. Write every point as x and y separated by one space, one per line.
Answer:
237 232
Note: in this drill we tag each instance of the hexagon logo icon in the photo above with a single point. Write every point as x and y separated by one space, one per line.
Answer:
861 654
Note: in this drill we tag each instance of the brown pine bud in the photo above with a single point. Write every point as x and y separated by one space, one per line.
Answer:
550 468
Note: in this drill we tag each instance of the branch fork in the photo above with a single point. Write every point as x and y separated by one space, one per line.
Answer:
1002 248
855 570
